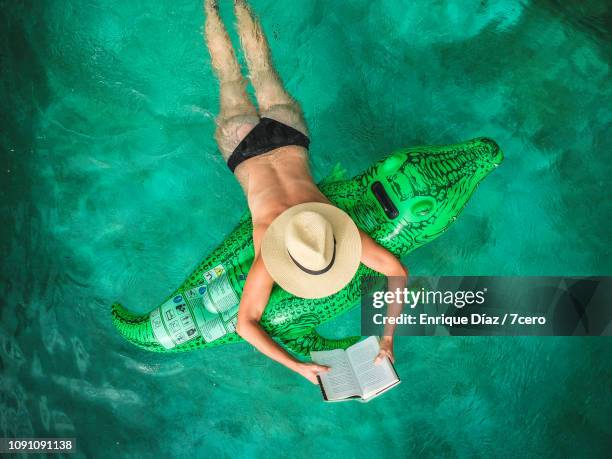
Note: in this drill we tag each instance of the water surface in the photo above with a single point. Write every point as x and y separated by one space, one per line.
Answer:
112 189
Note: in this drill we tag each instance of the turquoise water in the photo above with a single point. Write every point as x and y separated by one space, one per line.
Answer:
112 189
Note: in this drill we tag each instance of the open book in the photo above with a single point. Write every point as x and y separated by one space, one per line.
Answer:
353 374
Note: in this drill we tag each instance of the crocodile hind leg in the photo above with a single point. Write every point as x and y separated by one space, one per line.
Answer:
312 341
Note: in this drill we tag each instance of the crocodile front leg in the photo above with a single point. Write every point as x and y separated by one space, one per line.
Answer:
312 341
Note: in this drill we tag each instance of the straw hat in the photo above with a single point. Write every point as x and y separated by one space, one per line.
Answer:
312 250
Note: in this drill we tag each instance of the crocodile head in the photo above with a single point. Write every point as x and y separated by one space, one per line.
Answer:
414 195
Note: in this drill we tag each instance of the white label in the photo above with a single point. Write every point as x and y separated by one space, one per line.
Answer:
213 273
172 323
159 330
214 304
212 329
231 325
221 296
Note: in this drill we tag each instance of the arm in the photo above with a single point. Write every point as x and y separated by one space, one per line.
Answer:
381 260
254 299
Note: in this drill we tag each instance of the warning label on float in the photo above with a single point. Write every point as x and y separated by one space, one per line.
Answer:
172 323
214 304
209 309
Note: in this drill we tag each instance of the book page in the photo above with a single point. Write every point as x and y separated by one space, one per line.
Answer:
372 378
340 381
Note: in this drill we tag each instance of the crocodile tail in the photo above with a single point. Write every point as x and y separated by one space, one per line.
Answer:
136 328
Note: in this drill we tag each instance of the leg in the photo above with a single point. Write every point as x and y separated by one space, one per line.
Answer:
237 115
274 102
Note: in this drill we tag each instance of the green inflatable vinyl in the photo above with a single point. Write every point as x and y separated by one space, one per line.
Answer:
402 202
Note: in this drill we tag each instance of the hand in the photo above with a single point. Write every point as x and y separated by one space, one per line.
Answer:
386 350
309 371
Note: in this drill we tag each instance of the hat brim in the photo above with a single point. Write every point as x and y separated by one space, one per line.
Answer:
297 282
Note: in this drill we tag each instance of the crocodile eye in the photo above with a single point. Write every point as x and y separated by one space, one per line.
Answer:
422 207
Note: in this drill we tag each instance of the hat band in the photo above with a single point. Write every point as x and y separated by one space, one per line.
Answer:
320 271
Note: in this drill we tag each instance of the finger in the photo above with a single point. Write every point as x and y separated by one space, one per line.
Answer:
322 368
381 356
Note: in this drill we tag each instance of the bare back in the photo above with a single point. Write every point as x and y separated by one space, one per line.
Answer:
281 178
274 182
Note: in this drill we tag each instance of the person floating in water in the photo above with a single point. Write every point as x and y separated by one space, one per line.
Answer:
302 242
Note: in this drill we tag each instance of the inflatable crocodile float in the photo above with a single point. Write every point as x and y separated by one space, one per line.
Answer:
402 201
